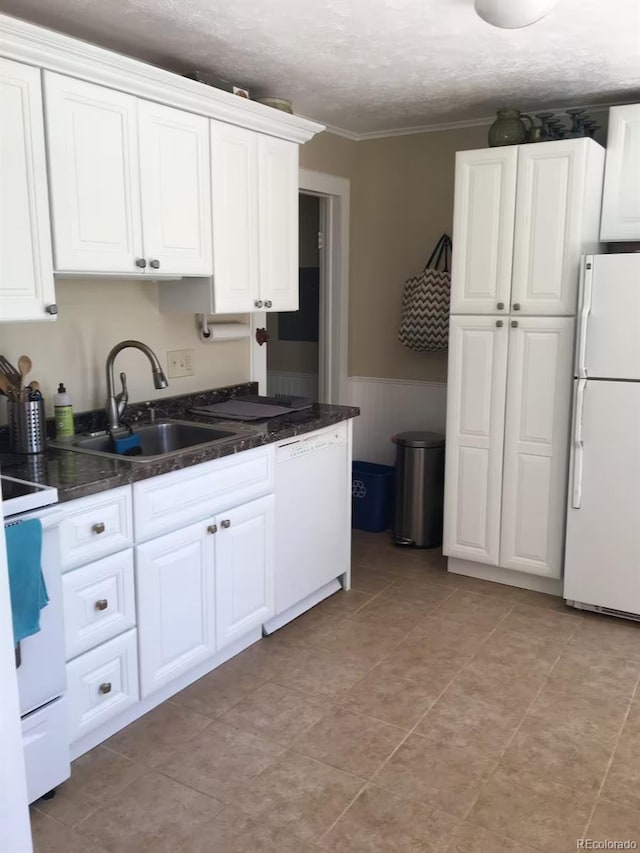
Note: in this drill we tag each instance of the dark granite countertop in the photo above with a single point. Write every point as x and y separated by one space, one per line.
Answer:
77 475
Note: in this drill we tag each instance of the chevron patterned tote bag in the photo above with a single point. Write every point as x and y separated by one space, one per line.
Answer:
425 303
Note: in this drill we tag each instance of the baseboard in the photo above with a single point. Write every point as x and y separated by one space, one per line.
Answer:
496 574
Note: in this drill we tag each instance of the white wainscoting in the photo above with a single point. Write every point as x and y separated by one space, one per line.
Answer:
389 406
295 384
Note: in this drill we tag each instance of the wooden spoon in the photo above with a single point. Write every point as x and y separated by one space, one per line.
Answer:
24 366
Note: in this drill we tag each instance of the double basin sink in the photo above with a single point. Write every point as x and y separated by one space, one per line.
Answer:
157 440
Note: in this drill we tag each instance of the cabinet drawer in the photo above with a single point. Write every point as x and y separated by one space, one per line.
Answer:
96 526
45 743
102 683
99 602
168 502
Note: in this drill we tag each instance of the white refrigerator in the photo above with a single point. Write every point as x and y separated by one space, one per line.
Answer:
602 560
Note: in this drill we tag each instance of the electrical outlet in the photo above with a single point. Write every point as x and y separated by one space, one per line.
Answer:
180 363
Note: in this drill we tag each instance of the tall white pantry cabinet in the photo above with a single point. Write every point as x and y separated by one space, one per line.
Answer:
524 215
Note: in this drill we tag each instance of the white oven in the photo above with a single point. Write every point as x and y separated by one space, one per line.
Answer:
41 672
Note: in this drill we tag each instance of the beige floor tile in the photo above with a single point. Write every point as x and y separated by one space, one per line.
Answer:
50 836
308 626
537 812
321 673
423 593
371 581
417 661
461 719
533 654
384 613
613 822
222 761
541 622
154 737
594 673
498 684
361 640
153 815
497 590
473 608
439 775
600 711
548 602
276 713
350 742
234 832
468 838
344 603
381 822
218 691
569 752
620 637
299 796
439 633
622 784
96 777
390 697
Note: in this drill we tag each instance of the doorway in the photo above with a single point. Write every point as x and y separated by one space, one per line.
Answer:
320 365
293 356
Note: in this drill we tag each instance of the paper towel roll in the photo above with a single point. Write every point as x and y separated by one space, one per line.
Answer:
225 332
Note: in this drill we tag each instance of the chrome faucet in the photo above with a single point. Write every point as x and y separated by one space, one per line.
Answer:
115 405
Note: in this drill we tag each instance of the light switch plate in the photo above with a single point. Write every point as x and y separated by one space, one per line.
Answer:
180 363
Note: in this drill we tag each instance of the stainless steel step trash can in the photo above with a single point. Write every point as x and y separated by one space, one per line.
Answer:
419 489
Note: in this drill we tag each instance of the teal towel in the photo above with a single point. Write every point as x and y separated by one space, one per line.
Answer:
26 584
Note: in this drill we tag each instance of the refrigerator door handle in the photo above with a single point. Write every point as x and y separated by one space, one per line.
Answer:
583 322
578 446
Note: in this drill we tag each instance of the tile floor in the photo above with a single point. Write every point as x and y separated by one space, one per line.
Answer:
420 711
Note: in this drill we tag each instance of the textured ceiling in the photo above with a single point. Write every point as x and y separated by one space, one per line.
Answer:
373 65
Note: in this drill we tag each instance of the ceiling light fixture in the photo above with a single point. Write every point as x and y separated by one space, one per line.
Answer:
513 14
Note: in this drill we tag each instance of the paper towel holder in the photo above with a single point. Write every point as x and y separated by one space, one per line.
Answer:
205 331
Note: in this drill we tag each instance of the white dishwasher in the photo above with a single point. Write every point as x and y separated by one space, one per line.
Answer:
313 520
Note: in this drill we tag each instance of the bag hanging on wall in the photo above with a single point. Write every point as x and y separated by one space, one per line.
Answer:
425 303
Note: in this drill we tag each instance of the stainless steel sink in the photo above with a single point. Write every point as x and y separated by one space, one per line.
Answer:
157 440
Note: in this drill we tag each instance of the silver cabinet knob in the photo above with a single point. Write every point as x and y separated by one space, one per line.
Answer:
141 262
102 604
226 523
99 527
500 306
105 688
516 306
258 303
268 303
52 309
212 528
499 324
514 324
154 263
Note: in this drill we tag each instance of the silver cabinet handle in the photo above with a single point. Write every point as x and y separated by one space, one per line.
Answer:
141 262
514 324
105 688
154 263
268 303
499 324
99 527
212 528
102 604
52 309
258 303
226 523
500 306
516 306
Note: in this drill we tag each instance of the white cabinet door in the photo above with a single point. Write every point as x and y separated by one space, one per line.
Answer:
278 223
175 185
475 434
26 266
93 167
621 200
484 204
553 185
244 569
234 173
536 448
175 594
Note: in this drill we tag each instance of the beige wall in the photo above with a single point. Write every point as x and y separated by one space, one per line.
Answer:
95 315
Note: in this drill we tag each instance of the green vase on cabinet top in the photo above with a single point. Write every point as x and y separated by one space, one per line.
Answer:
507 129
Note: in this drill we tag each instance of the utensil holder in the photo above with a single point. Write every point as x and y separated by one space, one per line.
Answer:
27 433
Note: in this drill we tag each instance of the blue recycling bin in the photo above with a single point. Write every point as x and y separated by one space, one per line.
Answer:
372 496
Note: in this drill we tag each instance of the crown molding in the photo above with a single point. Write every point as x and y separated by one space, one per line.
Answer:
33 45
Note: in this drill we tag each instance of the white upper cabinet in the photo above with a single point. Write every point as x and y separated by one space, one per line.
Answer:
475 434
621 200
175 180
234 182
26 267
484 204
523 217
129 182
557 215
278 223
536 448
92 135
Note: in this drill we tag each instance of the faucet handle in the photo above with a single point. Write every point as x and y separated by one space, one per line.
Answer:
123 397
